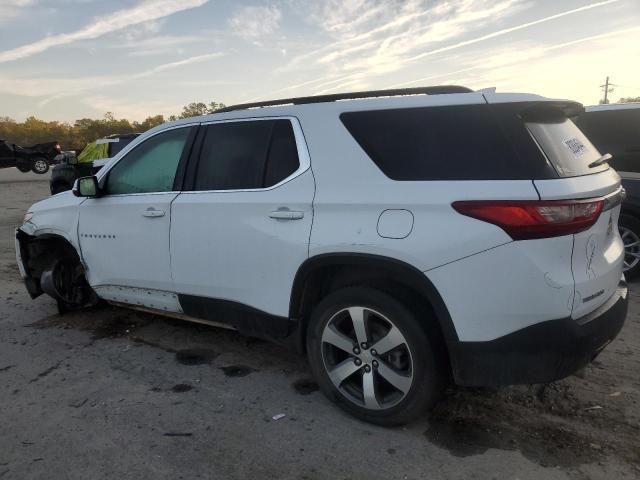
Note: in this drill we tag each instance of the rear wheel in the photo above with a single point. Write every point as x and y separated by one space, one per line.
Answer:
40 166
372 357
629 227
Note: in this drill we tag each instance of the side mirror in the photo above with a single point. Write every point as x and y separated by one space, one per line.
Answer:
86 187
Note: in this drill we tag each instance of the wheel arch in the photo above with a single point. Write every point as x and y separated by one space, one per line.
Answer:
324 273
38 251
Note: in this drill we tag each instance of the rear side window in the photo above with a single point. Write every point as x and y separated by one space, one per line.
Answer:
566 147
246 155
442 143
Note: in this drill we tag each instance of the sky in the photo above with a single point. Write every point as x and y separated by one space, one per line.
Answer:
69 59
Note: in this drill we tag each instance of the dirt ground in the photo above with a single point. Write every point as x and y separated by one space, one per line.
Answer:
111 393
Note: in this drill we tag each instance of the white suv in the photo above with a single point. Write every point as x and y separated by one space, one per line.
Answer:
400 238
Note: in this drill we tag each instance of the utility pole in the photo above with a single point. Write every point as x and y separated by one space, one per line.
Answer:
608 88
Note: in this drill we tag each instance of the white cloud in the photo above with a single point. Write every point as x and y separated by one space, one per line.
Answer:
373 37
146 11
10 9
130 110
551 69
56 88
372 46
143 30
254 22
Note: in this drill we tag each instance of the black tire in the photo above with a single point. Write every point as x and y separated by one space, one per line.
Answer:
631 224
427 373
40 166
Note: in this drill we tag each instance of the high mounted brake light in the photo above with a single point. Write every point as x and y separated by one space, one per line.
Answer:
524 220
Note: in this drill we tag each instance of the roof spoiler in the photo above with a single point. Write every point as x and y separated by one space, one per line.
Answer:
551 111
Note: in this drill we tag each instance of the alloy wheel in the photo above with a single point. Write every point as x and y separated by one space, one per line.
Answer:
367 358
40 166
631 243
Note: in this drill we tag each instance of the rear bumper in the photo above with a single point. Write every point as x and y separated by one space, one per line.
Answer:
543 352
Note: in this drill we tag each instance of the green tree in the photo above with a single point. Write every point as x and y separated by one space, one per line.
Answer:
76 135
149 123
194 109
213 106
629 100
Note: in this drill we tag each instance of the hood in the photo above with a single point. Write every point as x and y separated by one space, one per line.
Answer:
60 200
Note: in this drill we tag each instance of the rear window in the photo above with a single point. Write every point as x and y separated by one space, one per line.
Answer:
469 142
566 147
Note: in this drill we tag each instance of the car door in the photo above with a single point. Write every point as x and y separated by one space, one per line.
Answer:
124 233
240 234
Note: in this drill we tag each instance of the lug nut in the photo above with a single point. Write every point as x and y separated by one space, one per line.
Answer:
358 362
364 345
367 368
375 364
356 350
373 352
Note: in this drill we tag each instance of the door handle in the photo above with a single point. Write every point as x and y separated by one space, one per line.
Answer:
153 213
286 214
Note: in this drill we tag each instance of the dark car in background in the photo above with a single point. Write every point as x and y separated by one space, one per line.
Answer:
35 158
615 129
90 160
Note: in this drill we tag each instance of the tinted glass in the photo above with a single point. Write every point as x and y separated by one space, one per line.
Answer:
616 132
566 147
151 166
442 143
283 153
246 155
118 146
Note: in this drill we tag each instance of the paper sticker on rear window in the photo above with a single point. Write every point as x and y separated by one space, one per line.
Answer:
576 146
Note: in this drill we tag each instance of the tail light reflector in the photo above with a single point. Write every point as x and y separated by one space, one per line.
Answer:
524 220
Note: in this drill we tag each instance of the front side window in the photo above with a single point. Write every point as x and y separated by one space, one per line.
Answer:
246 155
150 166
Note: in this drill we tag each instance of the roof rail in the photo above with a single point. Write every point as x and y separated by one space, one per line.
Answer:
349 96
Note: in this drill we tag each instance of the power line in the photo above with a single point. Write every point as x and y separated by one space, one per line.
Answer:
627 86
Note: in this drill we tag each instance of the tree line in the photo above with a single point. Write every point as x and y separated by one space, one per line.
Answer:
76 135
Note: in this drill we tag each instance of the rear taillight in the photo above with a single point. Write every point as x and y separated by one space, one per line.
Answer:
523 220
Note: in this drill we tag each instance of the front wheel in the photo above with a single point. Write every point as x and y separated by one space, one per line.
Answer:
40 166
371 356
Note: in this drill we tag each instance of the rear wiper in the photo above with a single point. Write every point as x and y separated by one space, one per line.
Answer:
603 159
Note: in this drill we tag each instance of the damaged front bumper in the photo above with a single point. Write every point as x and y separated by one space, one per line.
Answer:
32 284
23 271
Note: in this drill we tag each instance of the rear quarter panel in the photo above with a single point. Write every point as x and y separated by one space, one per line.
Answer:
352 192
